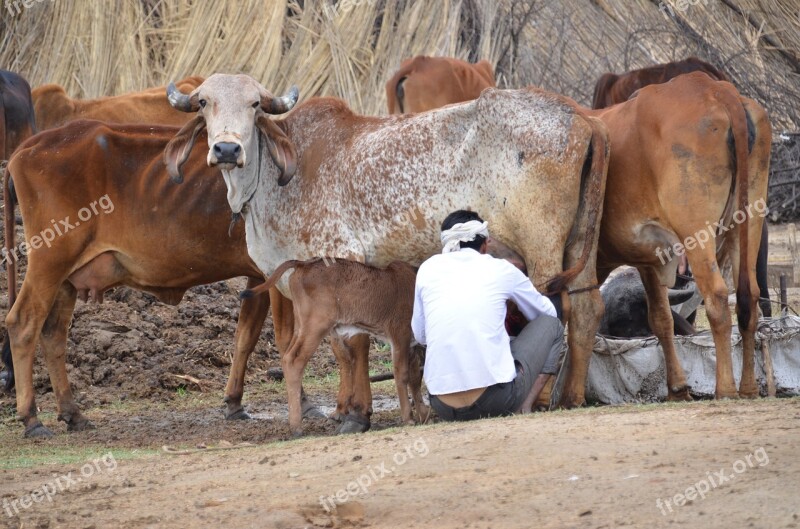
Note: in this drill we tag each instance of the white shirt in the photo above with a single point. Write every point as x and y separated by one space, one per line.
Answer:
459 312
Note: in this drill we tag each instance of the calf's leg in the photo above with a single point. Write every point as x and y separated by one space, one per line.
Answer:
304 343
401 346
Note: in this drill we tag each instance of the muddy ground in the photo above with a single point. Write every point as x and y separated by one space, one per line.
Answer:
150 375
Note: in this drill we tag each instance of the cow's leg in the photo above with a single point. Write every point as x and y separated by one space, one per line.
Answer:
54 347
748 316
584 319
24 323
715 294
252 314
659 315
360 409
762 269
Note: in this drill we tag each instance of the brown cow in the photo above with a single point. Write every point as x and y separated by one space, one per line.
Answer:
54 107
527 152
348 298
425 83
688 156
612 88
16 113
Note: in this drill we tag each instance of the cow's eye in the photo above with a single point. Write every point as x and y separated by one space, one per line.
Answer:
202 103
255 105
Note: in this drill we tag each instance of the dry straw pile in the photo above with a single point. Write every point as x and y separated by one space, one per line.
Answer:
349 48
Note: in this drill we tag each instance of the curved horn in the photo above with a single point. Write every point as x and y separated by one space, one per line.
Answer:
279 105
179 100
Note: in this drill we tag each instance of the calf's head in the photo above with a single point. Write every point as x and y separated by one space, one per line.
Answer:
235 111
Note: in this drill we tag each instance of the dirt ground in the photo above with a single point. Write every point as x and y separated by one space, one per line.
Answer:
150 375
592 468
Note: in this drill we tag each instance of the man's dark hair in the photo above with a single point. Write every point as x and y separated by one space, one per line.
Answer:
459 217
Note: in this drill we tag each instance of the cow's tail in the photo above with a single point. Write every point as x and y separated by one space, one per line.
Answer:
730 99
591 203
269 283
11 267
602 88
394 89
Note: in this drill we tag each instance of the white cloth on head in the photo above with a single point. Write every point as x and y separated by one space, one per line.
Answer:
462 232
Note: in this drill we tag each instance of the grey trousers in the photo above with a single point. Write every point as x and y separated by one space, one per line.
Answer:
536 351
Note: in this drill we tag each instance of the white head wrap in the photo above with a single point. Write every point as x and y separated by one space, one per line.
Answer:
462 232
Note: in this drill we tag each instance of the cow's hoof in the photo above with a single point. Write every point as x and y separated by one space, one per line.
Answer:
749 393
571 403
336 416
679 395
297 434
726 395
80 425
39 431
238 415
353 424
310 411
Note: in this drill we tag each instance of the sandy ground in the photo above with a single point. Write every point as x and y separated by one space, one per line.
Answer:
593 468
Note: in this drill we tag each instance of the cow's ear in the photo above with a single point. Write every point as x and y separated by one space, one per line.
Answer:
281 148
178 149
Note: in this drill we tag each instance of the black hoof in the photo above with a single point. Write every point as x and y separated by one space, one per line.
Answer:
80 425
238 415
353 424
38 431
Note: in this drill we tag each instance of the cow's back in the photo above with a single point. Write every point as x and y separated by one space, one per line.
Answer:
55 108
16 112
433 82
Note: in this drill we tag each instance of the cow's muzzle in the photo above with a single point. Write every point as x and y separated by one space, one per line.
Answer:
225 152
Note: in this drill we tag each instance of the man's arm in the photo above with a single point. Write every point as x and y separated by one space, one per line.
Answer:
418 317
529 301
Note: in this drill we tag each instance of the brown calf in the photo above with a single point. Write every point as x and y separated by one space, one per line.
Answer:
348 298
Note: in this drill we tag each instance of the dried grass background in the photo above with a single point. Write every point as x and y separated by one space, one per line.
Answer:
348 48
